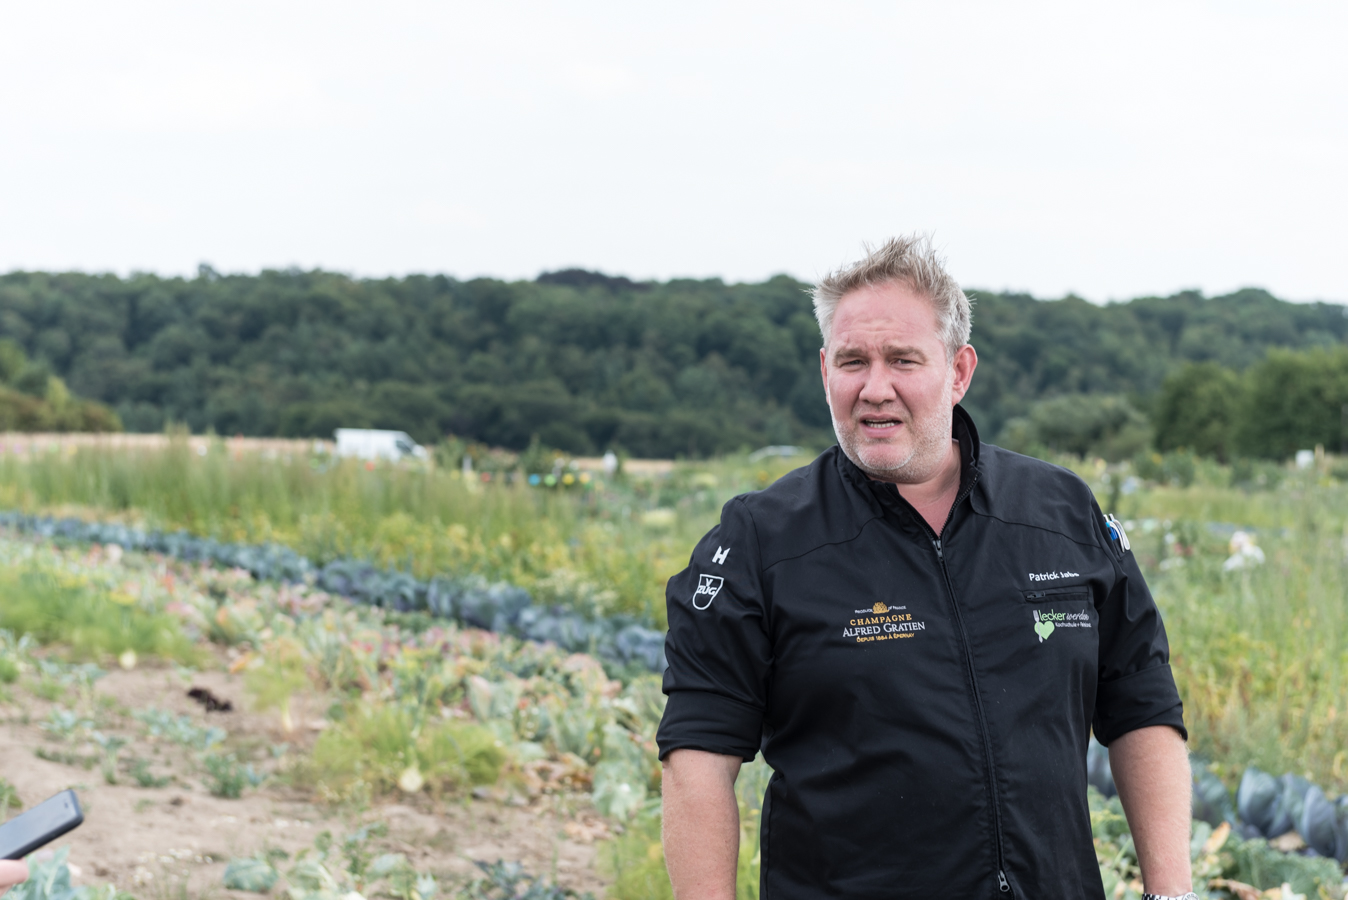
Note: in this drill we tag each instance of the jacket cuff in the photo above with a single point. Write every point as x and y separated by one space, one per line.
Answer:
1135 701
698 720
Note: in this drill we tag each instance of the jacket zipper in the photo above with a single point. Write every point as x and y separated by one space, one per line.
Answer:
1002 883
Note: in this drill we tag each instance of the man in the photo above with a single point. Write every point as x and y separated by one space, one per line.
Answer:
919 631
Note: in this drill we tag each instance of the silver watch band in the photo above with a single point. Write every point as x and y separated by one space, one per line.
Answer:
1189 896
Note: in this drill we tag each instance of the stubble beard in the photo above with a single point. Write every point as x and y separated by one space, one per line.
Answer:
926 453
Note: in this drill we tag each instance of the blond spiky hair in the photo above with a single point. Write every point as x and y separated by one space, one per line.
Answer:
912 261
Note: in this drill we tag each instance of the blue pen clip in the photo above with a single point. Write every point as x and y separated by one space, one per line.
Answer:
1116 531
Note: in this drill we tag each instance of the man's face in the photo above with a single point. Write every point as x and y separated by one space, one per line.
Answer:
890 387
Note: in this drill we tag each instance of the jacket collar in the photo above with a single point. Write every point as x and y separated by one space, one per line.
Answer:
962 429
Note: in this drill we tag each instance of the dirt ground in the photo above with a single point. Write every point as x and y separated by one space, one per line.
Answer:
154 842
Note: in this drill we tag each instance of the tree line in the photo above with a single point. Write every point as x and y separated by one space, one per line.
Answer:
585 362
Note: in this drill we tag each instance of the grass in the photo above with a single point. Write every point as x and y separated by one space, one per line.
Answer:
89 621
608 545
1260 653
375 749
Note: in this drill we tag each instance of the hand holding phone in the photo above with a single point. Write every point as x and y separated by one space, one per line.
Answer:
40 825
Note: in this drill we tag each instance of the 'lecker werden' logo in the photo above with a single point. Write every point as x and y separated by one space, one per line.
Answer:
708 586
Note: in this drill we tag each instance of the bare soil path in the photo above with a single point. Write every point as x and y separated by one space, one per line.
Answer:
153 841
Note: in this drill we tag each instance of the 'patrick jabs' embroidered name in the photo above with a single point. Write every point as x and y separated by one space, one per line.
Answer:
1051 576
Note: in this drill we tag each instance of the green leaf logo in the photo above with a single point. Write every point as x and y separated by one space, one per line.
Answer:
1043 628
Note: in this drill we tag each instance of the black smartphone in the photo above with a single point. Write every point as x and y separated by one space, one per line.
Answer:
42 824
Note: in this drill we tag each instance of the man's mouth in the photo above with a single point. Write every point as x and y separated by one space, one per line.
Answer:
880 423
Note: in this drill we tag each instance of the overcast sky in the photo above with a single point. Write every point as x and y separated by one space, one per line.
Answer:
1108 149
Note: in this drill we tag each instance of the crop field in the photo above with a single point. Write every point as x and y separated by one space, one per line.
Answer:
394 753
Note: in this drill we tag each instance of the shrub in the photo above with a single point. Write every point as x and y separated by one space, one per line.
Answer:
227 777
1198 409
1296 401
1079 424
378 745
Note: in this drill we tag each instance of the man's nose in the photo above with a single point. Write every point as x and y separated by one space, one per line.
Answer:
878 388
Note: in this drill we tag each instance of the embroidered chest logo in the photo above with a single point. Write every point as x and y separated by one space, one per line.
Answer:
882 622
1048 621
708 586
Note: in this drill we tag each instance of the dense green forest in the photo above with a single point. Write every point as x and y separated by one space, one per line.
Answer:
585 361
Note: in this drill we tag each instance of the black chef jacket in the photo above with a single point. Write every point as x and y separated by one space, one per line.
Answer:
925 702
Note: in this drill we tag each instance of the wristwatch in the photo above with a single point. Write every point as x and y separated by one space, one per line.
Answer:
1189 896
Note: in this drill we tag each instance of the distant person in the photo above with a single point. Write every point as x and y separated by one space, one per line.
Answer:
12 872
919 631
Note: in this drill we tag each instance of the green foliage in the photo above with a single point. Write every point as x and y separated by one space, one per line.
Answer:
280 675
591 549
110 745
1198 410
89 622
329 872
1288 401
64 724
12 360
9 799
686 367
508 881
33 399
14 655
1257 651
1296 401
227 777
254 874
1029 349
180 730
1080 424
582 361
1217 857
1257 864
1178 468
139 769
636 859
373 746
50 880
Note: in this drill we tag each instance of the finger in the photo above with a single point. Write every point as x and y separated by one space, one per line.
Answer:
12 871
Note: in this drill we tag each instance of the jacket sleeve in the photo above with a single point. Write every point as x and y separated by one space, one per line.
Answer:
1135 687
718 648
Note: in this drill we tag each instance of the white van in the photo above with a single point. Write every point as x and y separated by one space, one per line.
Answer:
372 443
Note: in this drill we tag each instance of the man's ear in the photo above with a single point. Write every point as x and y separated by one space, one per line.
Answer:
823 374
966 360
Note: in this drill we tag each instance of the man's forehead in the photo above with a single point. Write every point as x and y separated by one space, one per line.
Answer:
889 313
